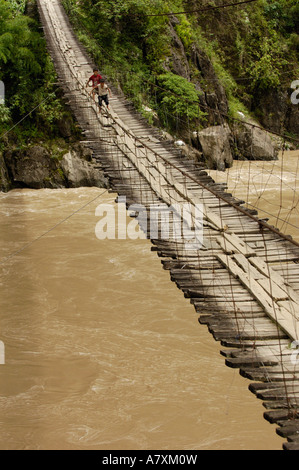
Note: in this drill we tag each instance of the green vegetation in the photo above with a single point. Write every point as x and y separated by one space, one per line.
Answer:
179 97
28 74
253 50
257 44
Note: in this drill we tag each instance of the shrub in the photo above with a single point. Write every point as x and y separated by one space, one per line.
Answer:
179 99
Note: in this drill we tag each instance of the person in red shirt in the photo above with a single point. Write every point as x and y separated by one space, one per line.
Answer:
95 79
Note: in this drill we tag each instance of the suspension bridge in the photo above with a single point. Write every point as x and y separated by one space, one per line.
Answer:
243 278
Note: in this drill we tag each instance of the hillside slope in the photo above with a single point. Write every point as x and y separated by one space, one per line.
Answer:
189 66
240 58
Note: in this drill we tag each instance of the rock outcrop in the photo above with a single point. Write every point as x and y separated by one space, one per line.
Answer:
214 99
78 172
253 143
35 167
277 112
218 146
273 109
215 144
177 62
32 168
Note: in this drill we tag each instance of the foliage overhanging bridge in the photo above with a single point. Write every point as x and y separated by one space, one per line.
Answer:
243 277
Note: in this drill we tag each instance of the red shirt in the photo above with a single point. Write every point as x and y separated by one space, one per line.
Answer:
95 79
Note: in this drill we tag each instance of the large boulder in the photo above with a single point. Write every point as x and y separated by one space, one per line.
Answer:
277 112
37 167
80 172
293 120
215 144
253 143
32 167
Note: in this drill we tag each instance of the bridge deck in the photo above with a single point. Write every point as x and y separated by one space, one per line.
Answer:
242 278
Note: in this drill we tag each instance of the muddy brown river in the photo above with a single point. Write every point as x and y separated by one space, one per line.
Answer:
102 350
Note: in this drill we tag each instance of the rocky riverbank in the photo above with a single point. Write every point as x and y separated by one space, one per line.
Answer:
40 166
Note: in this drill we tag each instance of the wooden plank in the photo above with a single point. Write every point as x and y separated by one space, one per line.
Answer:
226 246
291 445
272 289
254 362
240 246
291 307
289 428
265 269
274 416
245 264
276 313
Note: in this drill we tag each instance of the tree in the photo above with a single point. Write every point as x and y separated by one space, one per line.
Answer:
27 72
179 99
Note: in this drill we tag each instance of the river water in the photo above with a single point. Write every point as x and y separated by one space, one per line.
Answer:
271 187
102 351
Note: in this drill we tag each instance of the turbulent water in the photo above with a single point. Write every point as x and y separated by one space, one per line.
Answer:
102 351
271 187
